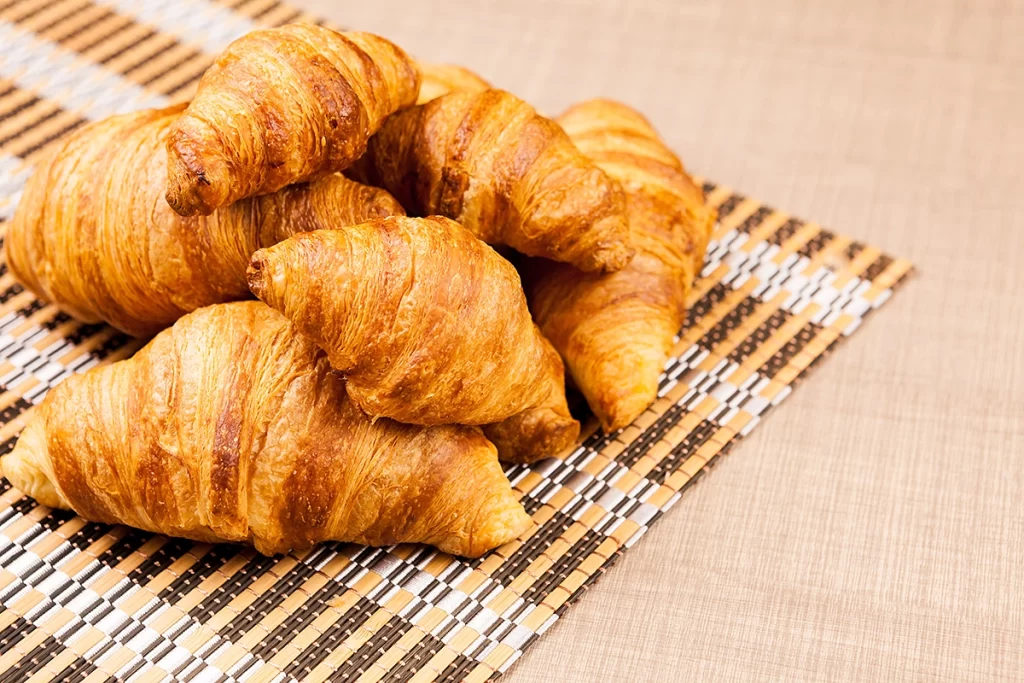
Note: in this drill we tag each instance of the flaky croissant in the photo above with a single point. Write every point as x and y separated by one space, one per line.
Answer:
441 79
427 323
511 176
615 331
543 431
93 234
281 106
229 426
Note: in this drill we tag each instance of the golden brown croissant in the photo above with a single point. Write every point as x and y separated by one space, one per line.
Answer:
511 176
615 331
229 426
428 324
441 79
281 106
93 234
540 432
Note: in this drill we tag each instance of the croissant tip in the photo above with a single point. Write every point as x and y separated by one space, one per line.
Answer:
608 257
24 466
618 419
619 259
544 434
184 200
519 523
256 273
195 179
181 207
618 408
563 435
502 527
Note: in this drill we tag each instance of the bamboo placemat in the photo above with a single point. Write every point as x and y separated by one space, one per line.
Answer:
82 601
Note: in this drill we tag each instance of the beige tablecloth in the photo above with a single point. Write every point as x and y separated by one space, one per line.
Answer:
873 528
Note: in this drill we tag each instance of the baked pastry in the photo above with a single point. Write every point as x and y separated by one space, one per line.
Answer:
616 331
441 79
509 175
543 431
427 323
280 106
93 234
229 426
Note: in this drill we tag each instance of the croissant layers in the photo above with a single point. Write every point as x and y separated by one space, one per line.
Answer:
509 175
229 426
428 324
280 106
93 234
441 79
615 331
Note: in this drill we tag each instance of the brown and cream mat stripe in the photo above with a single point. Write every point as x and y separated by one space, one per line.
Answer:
84 602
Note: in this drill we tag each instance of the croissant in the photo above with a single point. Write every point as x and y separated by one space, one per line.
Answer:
511 176
281 106
542 431
441 79
93 234
428 324
616 331
229 426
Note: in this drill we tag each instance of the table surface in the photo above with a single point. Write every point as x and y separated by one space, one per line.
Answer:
873 527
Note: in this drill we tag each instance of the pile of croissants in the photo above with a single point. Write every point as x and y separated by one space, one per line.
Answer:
425 252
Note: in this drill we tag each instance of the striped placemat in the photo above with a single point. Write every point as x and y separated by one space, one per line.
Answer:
82 601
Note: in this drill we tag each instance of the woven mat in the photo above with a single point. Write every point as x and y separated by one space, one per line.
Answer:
82 601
